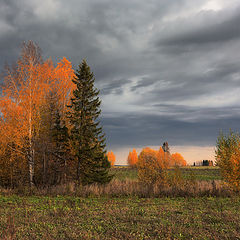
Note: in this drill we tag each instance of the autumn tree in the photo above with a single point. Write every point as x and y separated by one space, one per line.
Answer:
111 157
207 163
13 168
132 158
165 147
53 140
87 139
25 91
178 160
164 158
22 96
228 158
150 169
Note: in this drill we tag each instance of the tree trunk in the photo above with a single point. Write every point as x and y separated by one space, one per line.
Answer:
31 167
44 167
65 168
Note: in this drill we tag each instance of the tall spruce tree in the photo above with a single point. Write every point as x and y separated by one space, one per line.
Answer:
87 138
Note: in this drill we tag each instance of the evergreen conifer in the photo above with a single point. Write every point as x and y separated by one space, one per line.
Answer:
86 136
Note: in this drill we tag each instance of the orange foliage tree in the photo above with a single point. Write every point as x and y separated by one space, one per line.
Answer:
228 158
233 177
178 160
25 92
111 158
164 158
151 166
132 158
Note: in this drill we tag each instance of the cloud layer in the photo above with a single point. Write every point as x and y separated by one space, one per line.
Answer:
167 70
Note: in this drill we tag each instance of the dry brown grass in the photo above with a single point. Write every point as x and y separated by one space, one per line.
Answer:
128 187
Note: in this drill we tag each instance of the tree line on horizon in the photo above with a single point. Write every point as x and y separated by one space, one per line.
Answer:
172 160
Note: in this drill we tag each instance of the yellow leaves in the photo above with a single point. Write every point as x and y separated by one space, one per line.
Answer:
164 158
26 90
26 93
178 160
228 158
111 158
234 176
132 158
151 167
63 85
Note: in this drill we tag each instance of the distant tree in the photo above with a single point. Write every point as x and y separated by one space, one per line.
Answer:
150 169
228 158
86 137
132 158
178 160
111 157
164 158
207 163
165 147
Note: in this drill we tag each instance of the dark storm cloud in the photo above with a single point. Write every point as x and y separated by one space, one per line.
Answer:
156 62
219 79
219 28
147 130
114 87
144 82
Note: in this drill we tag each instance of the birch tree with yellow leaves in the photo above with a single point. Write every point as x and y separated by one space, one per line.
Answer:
24 93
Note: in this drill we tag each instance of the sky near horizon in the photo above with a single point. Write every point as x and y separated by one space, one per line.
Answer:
167 70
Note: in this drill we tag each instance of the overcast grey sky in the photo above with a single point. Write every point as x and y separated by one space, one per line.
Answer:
168 70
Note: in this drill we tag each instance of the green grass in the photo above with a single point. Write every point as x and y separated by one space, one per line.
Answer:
119 218
202 173
198 173
123 217
123 173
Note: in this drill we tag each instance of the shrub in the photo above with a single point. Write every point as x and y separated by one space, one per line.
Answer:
228 158
151 167
175 177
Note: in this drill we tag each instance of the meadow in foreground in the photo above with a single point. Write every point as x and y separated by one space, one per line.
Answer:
119 218
123 209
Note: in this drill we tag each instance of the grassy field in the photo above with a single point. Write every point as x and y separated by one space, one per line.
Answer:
119 218
198 173
120 211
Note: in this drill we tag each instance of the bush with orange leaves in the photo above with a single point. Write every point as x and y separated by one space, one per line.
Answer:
178 160
228 158
132 158
152 166
111 158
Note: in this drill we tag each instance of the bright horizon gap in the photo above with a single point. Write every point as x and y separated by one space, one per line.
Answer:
190 153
